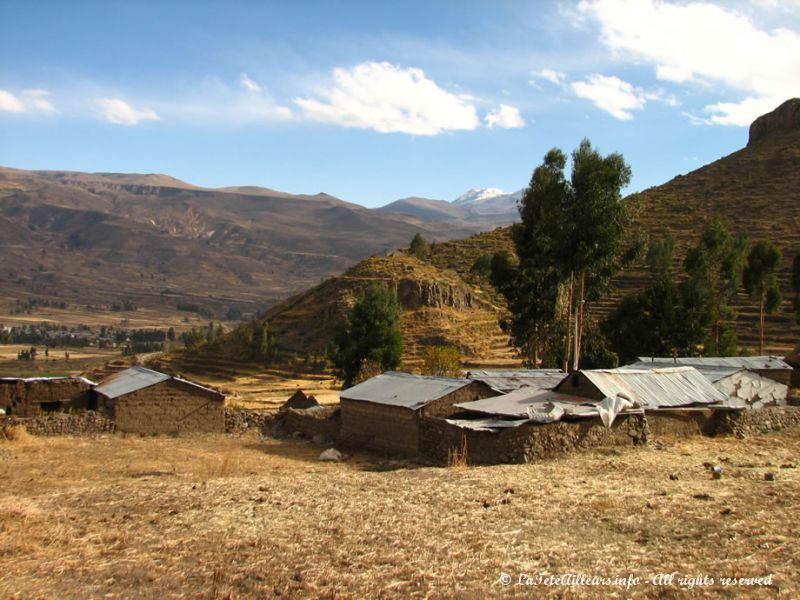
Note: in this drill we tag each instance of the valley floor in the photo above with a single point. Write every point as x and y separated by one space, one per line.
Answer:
244 517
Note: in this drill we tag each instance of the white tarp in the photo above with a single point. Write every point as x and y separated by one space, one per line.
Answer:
610 407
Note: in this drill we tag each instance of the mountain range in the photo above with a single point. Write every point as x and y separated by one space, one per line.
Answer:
152 240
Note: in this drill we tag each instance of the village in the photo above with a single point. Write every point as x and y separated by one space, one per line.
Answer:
485 417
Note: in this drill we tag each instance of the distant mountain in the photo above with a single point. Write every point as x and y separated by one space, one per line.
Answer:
490 201
426 209
479 207
101 238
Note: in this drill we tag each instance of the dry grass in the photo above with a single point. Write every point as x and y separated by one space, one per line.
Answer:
15 433
223 517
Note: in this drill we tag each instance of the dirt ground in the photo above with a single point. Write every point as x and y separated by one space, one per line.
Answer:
245 517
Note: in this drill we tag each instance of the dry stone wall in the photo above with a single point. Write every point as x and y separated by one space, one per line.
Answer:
528 442
78 424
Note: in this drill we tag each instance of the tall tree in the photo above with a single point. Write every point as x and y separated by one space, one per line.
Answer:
370 335
714 267
761 283
531 286
601 233
574 236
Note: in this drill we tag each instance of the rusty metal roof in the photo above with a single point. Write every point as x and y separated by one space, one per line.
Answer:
403 389
507 381
656 388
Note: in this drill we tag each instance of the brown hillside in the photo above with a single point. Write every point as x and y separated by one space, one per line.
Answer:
439 308
756 190
104 238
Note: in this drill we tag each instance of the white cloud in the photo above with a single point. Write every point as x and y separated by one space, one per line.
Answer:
120 112
704 43
506 117
387 98
27 101
9 102
39 100
248 83
552 76
611 94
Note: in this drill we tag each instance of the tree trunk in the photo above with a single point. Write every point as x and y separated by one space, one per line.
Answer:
581 302
569 327
761 326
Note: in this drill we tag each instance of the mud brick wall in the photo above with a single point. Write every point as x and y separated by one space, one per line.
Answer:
169 407
443 407
682 423
391 429
527 442
78 424
239 420
314 421
25 398
766 420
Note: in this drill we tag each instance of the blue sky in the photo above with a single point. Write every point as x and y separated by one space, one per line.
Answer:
375 101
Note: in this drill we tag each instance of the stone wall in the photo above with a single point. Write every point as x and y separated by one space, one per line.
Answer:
745 422
240 420
682 423
82 423
169 407
324 420
437 438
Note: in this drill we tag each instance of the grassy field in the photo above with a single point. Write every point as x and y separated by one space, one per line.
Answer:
245 517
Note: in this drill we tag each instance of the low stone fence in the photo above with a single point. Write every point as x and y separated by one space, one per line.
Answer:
311 422
240 420
81 423
766 420
438 438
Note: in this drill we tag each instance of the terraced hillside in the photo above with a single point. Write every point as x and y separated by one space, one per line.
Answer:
756 190
439 308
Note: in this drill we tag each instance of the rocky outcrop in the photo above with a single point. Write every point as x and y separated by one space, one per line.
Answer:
783 119
416 293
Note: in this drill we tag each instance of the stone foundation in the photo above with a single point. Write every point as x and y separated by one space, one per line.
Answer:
528 442
766 420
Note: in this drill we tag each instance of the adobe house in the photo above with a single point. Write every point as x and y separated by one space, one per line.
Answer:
141 400
34 396
383 413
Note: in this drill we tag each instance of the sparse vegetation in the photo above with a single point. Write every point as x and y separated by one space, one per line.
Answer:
443 361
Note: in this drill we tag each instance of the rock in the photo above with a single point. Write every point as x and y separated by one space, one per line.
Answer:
783 119
331 455
321 439
716 472
674 476
769 476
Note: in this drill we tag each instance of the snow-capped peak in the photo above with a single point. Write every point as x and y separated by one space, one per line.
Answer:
478 195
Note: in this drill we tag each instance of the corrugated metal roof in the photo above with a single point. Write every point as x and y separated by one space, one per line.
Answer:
403 389
507 381
516 403
130 380
711 372
56 378
739 362
656 388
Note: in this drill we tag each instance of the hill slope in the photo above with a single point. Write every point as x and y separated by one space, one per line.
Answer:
104 238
